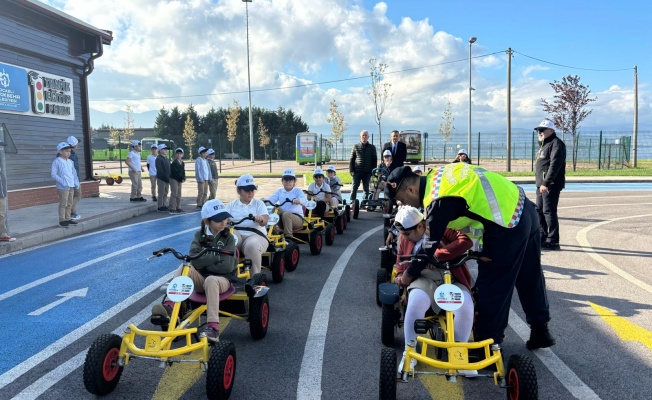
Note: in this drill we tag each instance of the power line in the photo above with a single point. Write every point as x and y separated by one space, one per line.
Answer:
568 66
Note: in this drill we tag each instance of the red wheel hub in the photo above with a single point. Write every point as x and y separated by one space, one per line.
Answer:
110 366
229 372
265 315
513 384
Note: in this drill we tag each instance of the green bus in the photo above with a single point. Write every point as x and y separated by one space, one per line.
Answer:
312 147
412 140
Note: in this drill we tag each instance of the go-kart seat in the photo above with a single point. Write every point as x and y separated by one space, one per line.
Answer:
201 297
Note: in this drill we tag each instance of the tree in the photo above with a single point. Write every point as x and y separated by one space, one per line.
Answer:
263 137
336 119
379 92
446 127
232 124
115 135
189 134
567 108
128 131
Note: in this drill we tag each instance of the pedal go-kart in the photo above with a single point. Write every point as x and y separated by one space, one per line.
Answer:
334 216
442 352
311 232
343 207
109 354
110 179
370 203
387 261
277 241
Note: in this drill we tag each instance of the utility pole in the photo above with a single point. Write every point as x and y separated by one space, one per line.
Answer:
509 109
635 148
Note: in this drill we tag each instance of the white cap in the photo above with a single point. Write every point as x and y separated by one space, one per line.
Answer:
163 147
407 217
462 151
63 146
387 153
545 124
154 146
215 211
72 141
135 143
211 151
288 173
179 150
318 171
331 168
201 149
246 182
418 168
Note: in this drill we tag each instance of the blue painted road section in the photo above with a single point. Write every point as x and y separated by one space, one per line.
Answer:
109 281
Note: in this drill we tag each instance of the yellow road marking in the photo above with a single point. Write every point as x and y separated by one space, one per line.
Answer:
439 387
624 329
180 377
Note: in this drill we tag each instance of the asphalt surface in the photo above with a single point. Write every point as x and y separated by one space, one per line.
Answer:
599 288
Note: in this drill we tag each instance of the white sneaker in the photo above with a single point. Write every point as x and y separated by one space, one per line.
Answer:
413 363
468 373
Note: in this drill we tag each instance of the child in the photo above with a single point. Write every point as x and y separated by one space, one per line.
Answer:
413 235
290 213
418 170
133 162
72 141
336 185
177 177
63 172
320 191
163 177
383 171
212 184
203 176
462 157
151 167
208 270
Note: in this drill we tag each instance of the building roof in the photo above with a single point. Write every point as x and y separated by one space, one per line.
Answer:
57 15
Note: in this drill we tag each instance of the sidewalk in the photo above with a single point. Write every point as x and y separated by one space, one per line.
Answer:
36 225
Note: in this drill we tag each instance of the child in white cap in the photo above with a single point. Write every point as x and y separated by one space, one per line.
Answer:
163 177
212 184
320 192
462 157
65 176
336 186
418 170
207 272
291 213
203 176
151 167
177 177
135 169
72 141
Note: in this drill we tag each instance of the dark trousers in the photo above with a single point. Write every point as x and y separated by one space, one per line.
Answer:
357 177
515 262
547 211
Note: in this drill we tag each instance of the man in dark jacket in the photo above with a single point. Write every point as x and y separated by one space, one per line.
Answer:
398 149
550 179
363 160
163 171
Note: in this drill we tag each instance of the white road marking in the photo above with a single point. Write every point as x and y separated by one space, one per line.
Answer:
83 265
64 341
605 205
53 377
588 249
64 297
556 366
309 386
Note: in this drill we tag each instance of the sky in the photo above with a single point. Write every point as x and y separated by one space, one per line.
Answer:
176 53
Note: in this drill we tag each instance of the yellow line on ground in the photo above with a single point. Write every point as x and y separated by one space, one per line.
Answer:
624 329
180 377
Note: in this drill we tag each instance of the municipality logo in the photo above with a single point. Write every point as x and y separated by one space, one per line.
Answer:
4 79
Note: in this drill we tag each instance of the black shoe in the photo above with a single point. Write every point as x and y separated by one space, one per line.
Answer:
64 224
153 198
141 199
134 200
163 209
540 337
71 222
550 246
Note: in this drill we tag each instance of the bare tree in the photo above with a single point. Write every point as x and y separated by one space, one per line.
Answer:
379 92
567 108
128 131
116 138
189 134
446 127
336 119
263 137
232 117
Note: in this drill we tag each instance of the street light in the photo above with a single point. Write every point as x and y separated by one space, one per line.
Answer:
251 126
471 41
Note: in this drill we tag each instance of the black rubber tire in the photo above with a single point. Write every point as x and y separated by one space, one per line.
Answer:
387 325
440 335
387 259
387 379
356 212
258 317
260 279
278 267
339 225
220 375
118 180
521 378
381 277
292 255
101 371
315 242
110 181
329 234
347 211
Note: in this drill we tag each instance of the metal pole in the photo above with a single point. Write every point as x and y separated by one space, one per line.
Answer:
251 125
509 108
635 147
478 161
471 41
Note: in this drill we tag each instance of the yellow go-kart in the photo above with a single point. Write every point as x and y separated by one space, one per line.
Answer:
110 179
442 352
109 353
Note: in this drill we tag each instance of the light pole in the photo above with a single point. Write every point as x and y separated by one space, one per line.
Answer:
471 41
251 126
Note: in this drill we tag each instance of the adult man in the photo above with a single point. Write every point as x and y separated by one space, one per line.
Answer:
212 184
363 160
398 149
133 162
203 176
459 195
163 172
550 179
72 141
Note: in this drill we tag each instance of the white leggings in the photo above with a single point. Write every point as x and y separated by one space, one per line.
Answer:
419 303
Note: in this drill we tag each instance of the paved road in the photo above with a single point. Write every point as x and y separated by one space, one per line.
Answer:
600 293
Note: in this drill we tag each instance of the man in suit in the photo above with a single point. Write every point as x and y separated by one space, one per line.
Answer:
398 149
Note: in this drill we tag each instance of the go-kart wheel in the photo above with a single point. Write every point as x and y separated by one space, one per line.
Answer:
258 317
329 234
110 181
118 180
101 369
381 277
315 242
260 279
387 259
292 255
387 325
387 381
356 210
521 378
345 220
278 267
339 224
347 212
220 375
